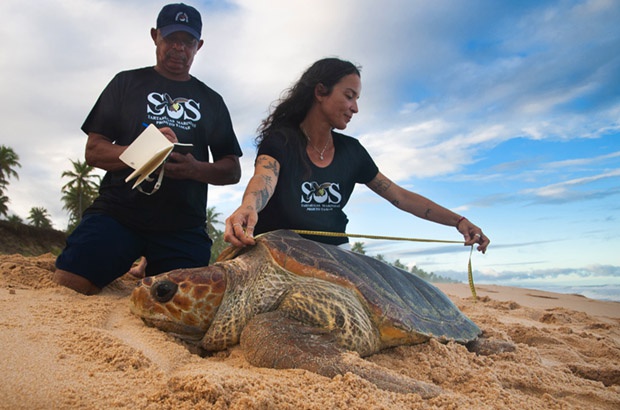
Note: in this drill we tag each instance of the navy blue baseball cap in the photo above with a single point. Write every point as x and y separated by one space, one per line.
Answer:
179 17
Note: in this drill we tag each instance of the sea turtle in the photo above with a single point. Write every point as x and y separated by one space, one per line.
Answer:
295 303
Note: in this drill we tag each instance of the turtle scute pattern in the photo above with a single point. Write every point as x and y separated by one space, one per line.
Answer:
405 305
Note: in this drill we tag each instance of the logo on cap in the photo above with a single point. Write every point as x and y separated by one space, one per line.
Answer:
181 17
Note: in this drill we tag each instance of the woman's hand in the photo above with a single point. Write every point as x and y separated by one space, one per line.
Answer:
472 234
239 229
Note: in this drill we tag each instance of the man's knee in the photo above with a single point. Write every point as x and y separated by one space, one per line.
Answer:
75 282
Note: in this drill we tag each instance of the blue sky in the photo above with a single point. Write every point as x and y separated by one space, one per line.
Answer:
505 111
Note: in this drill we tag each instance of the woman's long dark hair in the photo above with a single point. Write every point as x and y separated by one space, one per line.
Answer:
293 107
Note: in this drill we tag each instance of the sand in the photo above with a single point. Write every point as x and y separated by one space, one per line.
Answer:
59 349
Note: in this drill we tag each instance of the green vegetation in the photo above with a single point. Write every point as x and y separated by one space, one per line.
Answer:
9 160
80 192
215 234
39 217
28 240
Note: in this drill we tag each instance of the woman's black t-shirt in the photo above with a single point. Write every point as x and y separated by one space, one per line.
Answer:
315 201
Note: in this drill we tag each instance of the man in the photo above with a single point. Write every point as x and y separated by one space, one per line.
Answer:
165 225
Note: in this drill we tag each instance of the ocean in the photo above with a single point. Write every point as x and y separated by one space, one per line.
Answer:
598 292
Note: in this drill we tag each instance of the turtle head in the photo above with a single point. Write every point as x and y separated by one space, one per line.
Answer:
183 301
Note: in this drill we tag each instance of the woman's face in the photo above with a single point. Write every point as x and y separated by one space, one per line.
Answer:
339 106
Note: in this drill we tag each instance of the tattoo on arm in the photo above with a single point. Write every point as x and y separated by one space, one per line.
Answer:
380 185
265 189
262 197
427 213
273 167
267 180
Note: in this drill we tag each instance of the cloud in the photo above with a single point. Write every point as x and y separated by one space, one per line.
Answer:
579 162
567 190
585 272
592 275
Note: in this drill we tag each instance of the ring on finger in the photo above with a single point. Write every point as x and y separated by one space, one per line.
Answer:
478 235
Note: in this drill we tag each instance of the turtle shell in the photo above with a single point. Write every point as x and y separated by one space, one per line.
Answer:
399 300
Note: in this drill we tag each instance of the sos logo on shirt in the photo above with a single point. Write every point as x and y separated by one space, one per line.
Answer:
325 195
178 108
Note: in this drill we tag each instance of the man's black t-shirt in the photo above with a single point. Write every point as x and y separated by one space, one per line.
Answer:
315 201
196 114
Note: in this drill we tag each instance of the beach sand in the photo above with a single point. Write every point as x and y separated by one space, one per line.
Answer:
60 349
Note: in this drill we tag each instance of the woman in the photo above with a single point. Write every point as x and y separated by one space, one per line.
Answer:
305 172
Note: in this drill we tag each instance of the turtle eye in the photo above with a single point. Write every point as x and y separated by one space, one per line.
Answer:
164 291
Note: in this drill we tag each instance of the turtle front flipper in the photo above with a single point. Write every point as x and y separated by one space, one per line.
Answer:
276 341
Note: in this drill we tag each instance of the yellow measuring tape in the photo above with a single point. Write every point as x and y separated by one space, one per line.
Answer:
470 275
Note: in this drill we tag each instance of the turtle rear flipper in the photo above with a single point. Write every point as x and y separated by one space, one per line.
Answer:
485 347
276 341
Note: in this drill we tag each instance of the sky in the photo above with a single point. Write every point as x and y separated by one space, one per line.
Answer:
507 112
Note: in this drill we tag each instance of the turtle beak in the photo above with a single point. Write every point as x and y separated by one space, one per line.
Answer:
163 291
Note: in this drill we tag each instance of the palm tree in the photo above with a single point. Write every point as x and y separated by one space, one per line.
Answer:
39 217
380 257
398 264
4 208
212 219
358 247
8 161
218 245
80 191
72 204
14 219
215 234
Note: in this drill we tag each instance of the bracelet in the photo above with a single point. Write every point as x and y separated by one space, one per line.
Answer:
459 222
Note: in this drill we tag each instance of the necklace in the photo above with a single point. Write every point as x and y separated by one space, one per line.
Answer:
321 152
